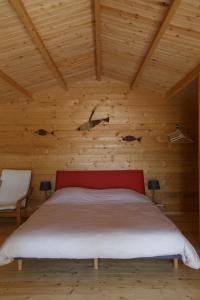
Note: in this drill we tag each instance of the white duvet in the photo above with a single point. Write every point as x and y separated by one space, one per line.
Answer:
83 223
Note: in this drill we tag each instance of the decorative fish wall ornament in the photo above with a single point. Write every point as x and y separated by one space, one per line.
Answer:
92 123
43 132
131 138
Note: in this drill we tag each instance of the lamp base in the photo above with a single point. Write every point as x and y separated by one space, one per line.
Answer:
47 195
153 197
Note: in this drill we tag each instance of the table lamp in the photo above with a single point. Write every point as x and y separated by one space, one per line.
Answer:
46 187
153 185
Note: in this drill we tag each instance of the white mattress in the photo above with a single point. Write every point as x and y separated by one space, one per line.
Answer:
81 223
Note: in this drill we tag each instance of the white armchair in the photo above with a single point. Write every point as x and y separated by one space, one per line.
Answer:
14 192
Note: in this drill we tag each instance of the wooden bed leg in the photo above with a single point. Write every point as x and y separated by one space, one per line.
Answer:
96 263
19 264
175 260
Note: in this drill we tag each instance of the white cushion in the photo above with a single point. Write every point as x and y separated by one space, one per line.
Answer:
14 185
8 207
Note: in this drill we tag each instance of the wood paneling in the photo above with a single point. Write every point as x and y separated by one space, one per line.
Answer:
125 31
178 51
159 34
66 28
198 96
14 84
136 113
183 82
32 31
97 37
19 58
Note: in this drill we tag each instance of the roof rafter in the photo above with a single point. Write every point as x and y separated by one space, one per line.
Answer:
183 82
14 84
97 39
31 29
168 16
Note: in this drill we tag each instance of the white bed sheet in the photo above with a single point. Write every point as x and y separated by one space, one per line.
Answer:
81 223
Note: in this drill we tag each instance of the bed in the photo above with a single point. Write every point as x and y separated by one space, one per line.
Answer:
98 214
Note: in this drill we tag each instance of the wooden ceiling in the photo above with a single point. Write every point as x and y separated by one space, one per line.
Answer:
153 44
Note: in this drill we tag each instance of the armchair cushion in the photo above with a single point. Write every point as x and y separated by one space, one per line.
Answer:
14 185
7 207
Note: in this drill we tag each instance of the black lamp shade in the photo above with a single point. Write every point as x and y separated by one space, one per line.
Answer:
45 185
153 185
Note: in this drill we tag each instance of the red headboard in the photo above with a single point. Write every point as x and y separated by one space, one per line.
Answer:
133 180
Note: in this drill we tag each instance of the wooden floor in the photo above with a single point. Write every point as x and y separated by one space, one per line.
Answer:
115 279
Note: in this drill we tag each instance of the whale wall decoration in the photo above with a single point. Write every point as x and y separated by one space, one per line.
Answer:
92 123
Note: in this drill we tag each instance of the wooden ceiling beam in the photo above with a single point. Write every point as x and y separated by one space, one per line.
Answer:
183 82
31 29
97 38
159 34
14 84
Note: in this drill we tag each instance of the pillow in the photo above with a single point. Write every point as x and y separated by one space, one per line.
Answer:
78 194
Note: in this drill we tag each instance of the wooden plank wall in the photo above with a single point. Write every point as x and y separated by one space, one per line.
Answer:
198 84
135 113
187 98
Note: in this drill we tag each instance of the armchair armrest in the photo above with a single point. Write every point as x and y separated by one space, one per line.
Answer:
19 201
18 209
18 206
30 192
